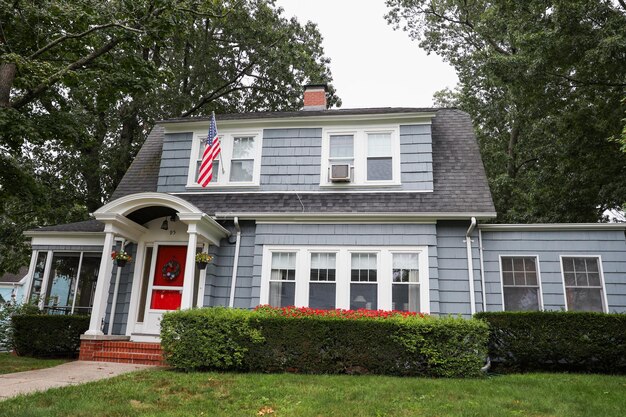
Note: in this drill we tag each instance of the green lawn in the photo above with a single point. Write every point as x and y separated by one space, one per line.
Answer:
10 363
168 393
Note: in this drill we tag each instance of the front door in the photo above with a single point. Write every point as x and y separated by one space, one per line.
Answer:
166 286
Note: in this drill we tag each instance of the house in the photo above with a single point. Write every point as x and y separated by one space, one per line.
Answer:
377 208
12 285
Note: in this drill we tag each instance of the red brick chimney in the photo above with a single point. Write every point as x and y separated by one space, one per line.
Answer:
315 97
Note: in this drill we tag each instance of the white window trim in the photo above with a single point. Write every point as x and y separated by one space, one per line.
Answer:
227 139
605 305
360 156
342 275
541 307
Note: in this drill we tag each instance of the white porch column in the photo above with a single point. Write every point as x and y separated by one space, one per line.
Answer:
102 287
190 269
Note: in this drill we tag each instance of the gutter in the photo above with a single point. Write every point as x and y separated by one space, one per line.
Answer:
233 281
470 266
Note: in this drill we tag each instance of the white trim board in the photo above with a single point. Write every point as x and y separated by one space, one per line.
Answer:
551 226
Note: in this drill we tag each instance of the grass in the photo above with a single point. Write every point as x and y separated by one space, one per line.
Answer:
169 393
10 363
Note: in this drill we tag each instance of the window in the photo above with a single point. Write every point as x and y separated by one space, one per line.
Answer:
346 277
405 287
520 283
242 161
583 283
70 284
322 286
379 157
373 156
239 163
363 288
40 266
282 279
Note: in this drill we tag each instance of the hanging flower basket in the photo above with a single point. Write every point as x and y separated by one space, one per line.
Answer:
202 260
121 258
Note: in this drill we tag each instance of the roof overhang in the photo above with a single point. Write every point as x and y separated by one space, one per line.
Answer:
552 227
355 217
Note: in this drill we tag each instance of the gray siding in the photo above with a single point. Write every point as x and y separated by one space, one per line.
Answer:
346 234
291 160
548 246
219 272
452 264
123 295
174 162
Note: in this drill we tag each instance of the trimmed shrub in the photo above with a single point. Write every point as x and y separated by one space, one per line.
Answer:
557 341
41 335
264 341
7 311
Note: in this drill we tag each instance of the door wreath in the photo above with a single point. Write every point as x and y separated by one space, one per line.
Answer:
171 270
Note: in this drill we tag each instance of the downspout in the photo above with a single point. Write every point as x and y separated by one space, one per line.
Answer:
115 292
470 266
233 281
482 269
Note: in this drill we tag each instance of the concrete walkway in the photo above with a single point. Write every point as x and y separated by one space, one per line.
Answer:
71 373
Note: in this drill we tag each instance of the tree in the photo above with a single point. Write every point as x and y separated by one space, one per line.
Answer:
82 83
543 82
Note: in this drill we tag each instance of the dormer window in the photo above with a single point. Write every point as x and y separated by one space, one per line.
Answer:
238 165
372 157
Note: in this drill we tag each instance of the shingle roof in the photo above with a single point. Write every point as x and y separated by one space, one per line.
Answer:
84 226
10 278
306 113
459 180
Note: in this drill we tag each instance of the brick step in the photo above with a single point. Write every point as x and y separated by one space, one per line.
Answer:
128 356
132 347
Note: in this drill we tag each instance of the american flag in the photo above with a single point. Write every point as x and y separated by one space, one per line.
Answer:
211 151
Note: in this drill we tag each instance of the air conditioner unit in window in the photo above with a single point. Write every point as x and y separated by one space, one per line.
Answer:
340 172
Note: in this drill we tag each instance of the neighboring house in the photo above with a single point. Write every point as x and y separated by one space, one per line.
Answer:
12 285
380 208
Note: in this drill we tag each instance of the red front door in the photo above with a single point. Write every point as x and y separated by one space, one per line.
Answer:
167 283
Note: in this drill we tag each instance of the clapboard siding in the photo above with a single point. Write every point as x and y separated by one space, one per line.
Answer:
219 272
346 235
291 160
549 245
452 263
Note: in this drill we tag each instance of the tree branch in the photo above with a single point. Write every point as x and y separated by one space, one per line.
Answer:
80 35
216 93
623 3
579 82
32 94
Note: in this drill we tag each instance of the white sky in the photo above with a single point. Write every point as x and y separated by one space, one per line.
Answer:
372 65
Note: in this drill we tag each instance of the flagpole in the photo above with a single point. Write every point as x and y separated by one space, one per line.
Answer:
220 154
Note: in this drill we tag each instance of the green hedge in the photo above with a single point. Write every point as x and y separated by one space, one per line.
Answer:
48 335
557 341
226 339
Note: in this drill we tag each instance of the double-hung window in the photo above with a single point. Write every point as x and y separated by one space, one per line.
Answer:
583 283
363 281
520 283
346 277
406 287
379 157
239 163
322 284
282 279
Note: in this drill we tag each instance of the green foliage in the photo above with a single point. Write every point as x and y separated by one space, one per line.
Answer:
216 338
42 335
557 341
258 342
8 310
543 82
